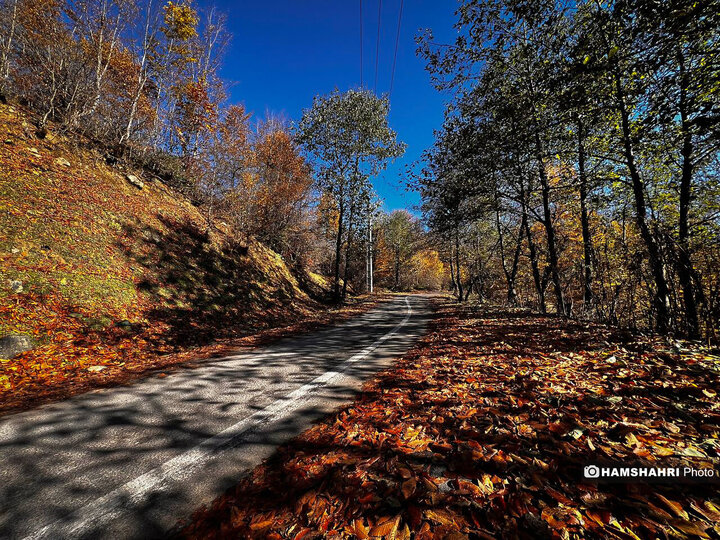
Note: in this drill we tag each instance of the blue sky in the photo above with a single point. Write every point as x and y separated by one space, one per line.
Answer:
284 52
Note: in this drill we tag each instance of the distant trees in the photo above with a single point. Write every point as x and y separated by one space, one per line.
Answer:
349 138
402 234
596 124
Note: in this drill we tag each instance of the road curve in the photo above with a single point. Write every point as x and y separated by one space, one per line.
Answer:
129 462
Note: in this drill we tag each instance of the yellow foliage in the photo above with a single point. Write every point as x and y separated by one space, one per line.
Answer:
181 21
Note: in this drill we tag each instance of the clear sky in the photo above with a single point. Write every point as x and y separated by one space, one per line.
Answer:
284 52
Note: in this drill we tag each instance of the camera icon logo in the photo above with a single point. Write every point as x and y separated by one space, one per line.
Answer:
591 471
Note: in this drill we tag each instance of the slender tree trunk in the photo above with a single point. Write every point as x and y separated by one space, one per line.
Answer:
348 246
539 287
584 221
7 47
457 262
452 274
550 233
338 249
525 228
397 268
657 267
510 274
469 290
547 215
512 293
685 268
142 75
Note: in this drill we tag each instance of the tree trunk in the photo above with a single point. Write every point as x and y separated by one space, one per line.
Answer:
338 249
512 293
584 221
685 268
348 246
452 274
550 233
457 263
510 274
539 288
397 268
5 59
657 267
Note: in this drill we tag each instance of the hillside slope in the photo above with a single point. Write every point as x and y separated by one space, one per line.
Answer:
99 272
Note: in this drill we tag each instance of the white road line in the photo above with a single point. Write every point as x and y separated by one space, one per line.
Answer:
134 493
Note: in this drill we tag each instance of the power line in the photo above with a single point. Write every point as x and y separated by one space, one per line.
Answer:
397 40
361 45
377 45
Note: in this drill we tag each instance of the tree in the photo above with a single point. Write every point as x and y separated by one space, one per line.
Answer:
402 234
350 139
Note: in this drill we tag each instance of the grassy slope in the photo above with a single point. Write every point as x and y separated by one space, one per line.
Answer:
91 251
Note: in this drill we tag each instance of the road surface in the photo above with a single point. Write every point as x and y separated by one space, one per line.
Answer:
129 462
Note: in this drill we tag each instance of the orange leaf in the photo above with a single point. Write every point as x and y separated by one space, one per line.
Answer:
386 527
675 507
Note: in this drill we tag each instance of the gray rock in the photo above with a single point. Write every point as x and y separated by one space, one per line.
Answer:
62 161
98 323
15 344
124 324
96 369
135 181
16 286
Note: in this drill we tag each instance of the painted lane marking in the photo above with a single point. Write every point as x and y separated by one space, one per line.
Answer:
135 492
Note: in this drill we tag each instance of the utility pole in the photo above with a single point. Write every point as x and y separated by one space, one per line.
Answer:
369 257
370 245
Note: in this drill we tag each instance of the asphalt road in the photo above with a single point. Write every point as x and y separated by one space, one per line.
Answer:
129 462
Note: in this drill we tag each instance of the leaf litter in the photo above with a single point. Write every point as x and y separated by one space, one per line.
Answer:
482 430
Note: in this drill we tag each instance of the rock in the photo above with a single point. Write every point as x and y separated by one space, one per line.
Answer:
62 161
135 181
125 325
446 487
98 323
15 344
16 286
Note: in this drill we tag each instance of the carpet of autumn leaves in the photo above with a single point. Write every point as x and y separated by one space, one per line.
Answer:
118 281
482 430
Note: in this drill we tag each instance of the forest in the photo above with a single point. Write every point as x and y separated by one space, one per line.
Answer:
577 168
